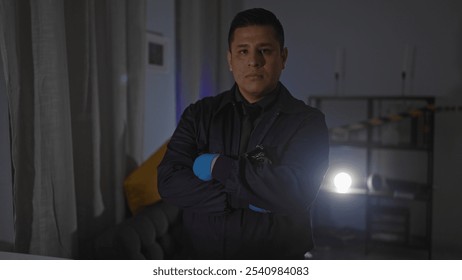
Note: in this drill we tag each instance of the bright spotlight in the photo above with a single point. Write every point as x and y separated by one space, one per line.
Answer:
342 182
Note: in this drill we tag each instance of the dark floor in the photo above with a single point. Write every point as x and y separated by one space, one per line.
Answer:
347 244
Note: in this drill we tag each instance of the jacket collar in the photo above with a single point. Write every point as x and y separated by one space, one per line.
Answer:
265 103
286 103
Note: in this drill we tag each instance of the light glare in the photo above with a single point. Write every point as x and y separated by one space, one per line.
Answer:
342 182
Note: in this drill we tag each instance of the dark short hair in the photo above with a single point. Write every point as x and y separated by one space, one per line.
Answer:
256 16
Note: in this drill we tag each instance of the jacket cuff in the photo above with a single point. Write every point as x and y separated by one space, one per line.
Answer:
226 170
222 168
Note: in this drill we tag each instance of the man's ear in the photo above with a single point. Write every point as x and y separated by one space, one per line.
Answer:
229 61
284 54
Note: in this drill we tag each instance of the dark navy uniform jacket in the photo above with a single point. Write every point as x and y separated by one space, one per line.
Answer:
218 220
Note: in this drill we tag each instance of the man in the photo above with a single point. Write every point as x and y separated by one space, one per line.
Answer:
246 165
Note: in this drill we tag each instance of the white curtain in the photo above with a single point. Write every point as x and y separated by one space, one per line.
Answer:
202 45
74 72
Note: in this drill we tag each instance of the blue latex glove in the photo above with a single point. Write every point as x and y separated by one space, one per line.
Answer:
202 166
258 209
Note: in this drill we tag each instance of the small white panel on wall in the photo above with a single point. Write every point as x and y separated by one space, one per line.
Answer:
157 52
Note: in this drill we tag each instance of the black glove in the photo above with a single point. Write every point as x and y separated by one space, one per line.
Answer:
258 155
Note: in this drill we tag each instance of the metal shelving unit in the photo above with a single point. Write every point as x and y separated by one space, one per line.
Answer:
389 210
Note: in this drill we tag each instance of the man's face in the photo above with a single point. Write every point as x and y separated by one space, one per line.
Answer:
256 60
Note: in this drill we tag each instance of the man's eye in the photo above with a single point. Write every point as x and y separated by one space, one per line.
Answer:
243 52
265 51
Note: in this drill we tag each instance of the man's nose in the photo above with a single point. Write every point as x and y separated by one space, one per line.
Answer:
256 59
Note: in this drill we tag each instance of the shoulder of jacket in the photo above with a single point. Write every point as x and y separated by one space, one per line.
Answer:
211 104
292 105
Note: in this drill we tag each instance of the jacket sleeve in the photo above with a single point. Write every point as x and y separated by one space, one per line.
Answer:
290 182
176 180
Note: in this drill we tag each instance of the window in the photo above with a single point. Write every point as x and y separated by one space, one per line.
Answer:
6 192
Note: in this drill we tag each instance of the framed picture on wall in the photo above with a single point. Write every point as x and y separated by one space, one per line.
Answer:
157 52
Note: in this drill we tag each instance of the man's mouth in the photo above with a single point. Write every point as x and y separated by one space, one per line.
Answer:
254 76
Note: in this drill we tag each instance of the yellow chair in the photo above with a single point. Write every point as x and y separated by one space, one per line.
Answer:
140 186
